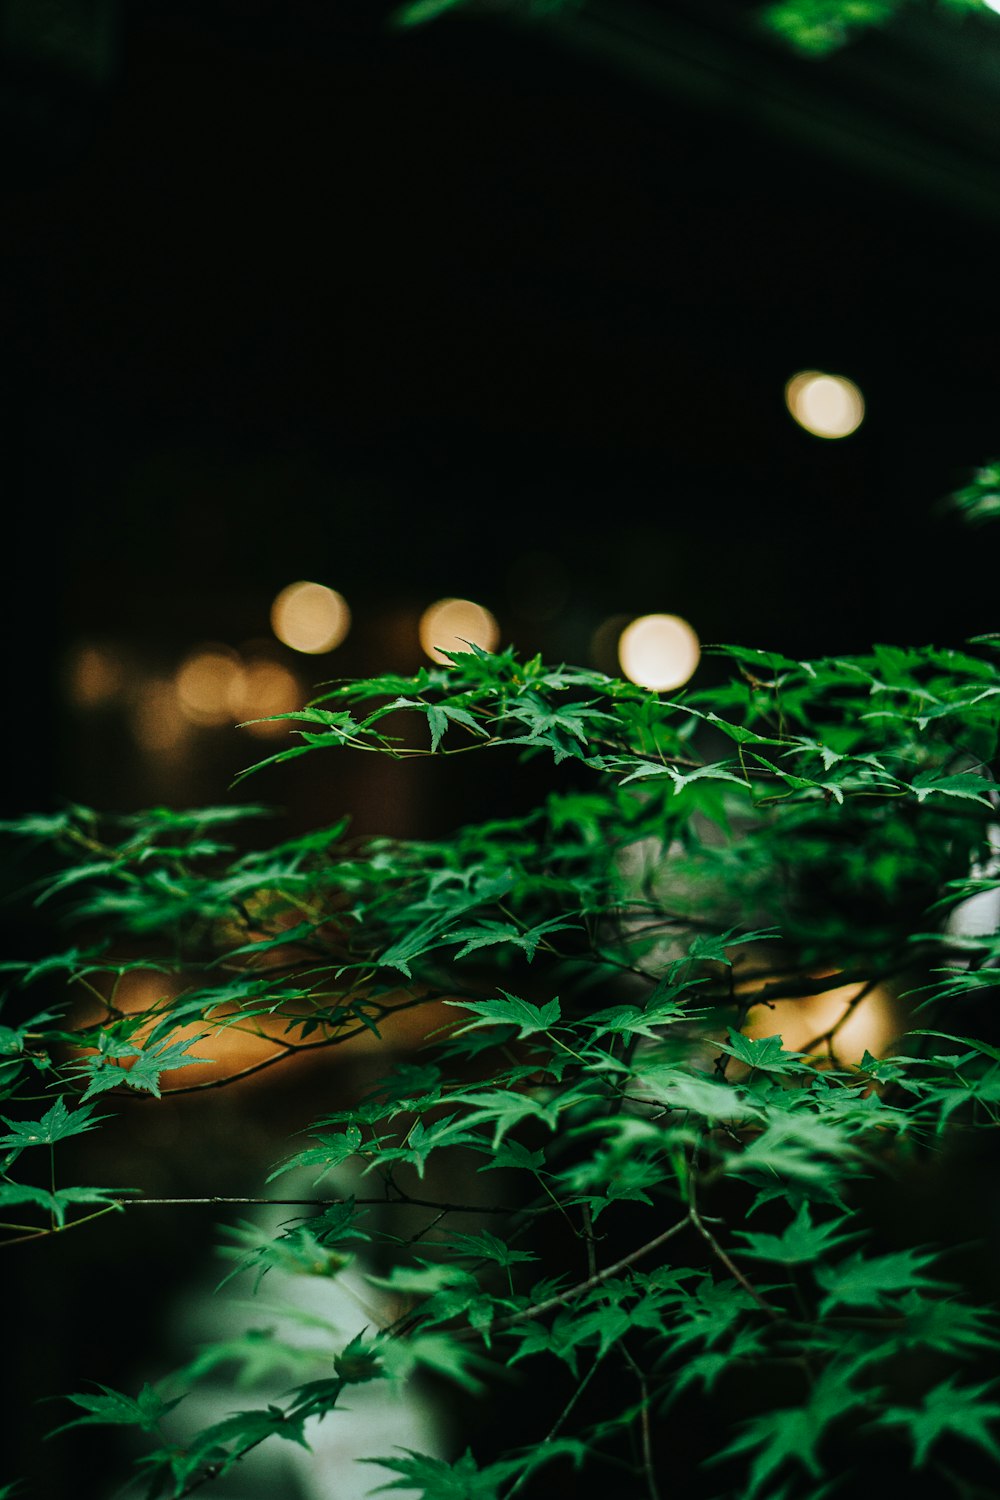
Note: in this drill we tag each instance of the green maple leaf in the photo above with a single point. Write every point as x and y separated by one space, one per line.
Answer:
440 715
29 971
861 1282
257 1354
512 1155
972 1043
801 1241
504 1109
966 785
948 1408
511 1011
799 1147
144 1074
423 1139
423 1278
634 1020
947 1325
708 1313
334 1150
682 1090
244 1429
114 1408
488 934
764 1053
57 1124
792 1434
435 1478
488 1247
440 1354
707 1367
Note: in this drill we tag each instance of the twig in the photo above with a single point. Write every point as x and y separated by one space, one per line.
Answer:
731 1267
588 1235
647 1437
560 1421
562 1298
287 1050
404 1201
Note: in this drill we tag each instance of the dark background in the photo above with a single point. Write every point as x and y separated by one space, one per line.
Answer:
289 292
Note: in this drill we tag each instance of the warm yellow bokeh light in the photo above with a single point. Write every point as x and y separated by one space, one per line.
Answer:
268 688
658 651
95 677
828 406
209 685
310 617
454 624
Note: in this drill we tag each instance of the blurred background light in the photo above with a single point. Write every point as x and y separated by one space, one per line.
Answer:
658 651
870 1023
310 617
454 624
95 676
268 687
828 406
210 685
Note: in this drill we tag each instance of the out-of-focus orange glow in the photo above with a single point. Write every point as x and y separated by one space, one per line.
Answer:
157 722
871 1023
209 685
310 617
454 624
140 989
95 677
659 651
227 1045
132 993
268 687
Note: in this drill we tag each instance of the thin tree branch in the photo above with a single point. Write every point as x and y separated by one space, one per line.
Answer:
560 1421
403 1201
647 1437
561 1299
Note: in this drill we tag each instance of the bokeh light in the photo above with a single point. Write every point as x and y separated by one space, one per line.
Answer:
310 617
862 1020
268 687
828 406
210 685
95 676
659 651
454 624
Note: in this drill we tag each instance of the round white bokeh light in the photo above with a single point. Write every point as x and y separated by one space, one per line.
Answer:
659 651
828 406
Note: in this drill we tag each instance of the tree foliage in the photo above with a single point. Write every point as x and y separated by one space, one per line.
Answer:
690 1243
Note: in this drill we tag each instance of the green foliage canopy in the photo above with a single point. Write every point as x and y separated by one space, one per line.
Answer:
687 1213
